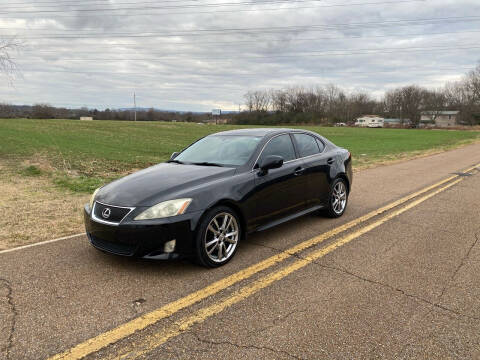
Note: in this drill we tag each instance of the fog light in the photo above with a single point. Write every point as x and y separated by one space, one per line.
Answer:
169 246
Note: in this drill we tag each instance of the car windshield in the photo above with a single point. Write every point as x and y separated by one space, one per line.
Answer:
223 150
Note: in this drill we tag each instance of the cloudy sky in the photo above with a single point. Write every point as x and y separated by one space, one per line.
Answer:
204 54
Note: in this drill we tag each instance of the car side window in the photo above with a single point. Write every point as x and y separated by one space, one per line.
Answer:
320 144
281 146
307 145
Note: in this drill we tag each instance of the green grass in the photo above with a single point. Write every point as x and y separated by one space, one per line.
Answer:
80 183
97 151
31 170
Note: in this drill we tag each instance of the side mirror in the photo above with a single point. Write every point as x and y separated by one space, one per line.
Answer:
174 155
270 162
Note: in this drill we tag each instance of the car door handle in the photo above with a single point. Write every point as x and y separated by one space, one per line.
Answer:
330 161
299 171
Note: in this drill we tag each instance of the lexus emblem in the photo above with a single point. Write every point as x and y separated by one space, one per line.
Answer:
106 213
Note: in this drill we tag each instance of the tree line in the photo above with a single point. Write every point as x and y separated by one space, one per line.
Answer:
332 104
302 105
46 111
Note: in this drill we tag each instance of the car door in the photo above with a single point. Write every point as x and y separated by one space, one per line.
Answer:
279 192
316 162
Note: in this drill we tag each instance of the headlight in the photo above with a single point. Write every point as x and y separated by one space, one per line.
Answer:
92 199
165 209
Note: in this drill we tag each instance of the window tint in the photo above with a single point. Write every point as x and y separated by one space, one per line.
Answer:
281 146
307 145
320 144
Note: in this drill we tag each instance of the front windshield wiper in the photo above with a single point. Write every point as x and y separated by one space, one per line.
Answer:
206 163
175 161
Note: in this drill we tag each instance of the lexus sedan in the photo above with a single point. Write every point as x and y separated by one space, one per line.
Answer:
208 197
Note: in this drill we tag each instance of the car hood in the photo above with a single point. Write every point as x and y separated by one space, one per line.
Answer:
159 183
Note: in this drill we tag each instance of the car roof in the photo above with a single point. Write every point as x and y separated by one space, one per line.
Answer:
255 131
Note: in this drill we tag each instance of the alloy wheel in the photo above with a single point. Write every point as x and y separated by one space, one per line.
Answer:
221 237
339 198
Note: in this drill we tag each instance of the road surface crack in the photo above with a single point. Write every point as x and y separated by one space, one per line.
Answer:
462 263
268 247
281 251
424 226
277 321
14 313
240 346
401 291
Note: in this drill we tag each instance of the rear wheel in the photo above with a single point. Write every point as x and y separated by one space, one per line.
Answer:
217 237
338 199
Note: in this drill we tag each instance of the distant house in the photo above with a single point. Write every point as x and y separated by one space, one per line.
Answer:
86 118
440 118
370 121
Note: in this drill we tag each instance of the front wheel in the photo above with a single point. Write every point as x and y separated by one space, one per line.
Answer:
217 237
338 199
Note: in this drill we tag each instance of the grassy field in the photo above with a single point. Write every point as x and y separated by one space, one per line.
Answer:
49 167
81 155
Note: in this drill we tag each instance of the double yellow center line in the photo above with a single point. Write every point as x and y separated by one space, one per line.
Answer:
150 342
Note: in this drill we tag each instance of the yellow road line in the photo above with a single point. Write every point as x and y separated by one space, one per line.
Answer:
135 350
100 341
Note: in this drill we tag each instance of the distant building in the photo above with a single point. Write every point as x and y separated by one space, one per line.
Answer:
372 121
86 118
217 121
392 122
440 118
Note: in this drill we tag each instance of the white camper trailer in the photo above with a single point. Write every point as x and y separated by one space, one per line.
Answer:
370 121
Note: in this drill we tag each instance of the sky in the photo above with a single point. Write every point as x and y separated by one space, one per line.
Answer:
197 55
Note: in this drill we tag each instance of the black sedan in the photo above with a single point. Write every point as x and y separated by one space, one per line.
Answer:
207 198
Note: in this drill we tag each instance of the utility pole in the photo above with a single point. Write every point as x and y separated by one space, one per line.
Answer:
135 106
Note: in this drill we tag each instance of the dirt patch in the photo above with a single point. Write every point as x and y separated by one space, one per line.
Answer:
33 210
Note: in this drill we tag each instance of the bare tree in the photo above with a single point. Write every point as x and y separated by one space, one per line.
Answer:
473 84
279 100
412 97
43 111
392 103
360 104
405 103
8 65
257 100
249 100
434 102
6 110
464 95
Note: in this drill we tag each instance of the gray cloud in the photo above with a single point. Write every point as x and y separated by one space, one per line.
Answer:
203 57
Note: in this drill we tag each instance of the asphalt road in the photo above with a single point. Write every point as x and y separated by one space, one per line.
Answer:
396 277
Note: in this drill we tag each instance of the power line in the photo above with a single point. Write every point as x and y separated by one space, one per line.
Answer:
204 87
44 4
214 5
223 31
260 41
319 53
145 6
231 11
203 5
323 73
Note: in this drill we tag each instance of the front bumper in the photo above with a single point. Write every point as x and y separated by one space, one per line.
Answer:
145 239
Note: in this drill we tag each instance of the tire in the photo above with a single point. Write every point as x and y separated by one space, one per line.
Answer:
217 237
338 192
